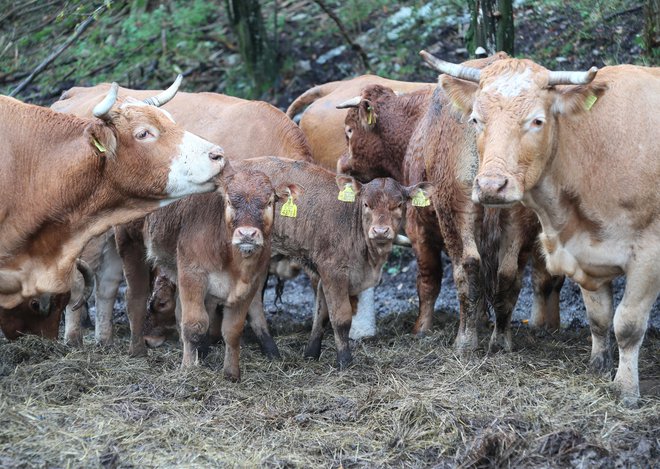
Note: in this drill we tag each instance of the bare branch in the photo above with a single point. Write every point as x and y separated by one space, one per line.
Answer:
356 47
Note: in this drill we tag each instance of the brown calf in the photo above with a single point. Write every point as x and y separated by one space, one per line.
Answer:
343 244
219 247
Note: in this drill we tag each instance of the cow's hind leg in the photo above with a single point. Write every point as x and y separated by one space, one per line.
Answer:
630 323
599 312
260 328
341 314
321 316
130 246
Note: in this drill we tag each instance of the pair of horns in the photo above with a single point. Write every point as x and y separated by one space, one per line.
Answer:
474 74
102 108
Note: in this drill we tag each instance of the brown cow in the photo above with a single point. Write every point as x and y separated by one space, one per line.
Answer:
218 245
378 129
344 244
582 151
245 129
323 123
129 160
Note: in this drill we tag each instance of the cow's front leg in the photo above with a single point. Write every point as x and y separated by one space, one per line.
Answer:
546 287
341 316
233 321
599 313
630 323
470 296
194 318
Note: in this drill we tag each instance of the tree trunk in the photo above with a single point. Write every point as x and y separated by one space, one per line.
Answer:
652 29
491 26
248 25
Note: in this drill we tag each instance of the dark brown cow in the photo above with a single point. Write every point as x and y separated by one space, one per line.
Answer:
378 129
581 149
219 247
344 244
128 161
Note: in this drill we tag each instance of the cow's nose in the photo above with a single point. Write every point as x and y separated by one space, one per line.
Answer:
216 154
247 232
491 184
381 231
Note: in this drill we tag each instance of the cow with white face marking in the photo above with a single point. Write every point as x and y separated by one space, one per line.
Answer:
127 161
581 149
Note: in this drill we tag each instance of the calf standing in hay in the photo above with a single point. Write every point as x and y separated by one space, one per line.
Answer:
342 240
218 245
581 150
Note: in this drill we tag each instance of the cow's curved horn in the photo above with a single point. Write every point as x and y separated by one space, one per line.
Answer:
572 78
166 95
353 102
88 276
102 108
455 70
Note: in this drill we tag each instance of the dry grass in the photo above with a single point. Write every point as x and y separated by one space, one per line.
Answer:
406 403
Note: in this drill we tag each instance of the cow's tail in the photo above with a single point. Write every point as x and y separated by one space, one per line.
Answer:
309 96
489 249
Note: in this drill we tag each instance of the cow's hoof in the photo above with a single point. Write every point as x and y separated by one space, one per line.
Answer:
344 359
74 340
499 343
234 377
269 348
601 364
465 344
137 351
313 350
105 342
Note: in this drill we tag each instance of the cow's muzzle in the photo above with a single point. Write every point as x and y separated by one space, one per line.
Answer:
495 189
248 240
381 233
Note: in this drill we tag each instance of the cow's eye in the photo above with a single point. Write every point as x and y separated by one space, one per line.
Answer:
142 134
538 122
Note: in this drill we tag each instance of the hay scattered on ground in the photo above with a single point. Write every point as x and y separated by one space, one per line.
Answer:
406 402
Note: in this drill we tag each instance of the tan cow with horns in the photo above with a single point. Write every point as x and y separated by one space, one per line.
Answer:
580 149
66 179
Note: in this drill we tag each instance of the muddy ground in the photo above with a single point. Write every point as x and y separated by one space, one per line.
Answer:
406 402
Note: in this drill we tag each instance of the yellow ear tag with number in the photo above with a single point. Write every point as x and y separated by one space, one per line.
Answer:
347 194
588 104
289 208
420 199
99 146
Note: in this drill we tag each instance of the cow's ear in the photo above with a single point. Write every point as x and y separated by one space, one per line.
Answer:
420 194
284 191
368 114
343 180
101 139
577 99
460 92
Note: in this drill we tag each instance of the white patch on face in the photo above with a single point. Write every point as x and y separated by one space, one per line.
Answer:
511 84
192 171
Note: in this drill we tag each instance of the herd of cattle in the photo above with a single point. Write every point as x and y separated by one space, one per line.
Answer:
500 163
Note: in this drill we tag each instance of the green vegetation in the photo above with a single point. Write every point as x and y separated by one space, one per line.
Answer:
144 43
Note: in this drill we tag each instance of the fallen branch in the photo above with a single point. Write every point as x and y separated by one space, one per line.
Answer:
42 66
356 47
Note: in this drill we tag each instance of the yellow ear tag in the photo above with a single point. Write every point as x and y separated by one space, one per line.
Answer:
370 116
289 208
347 194
420 199
99 146
588 104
